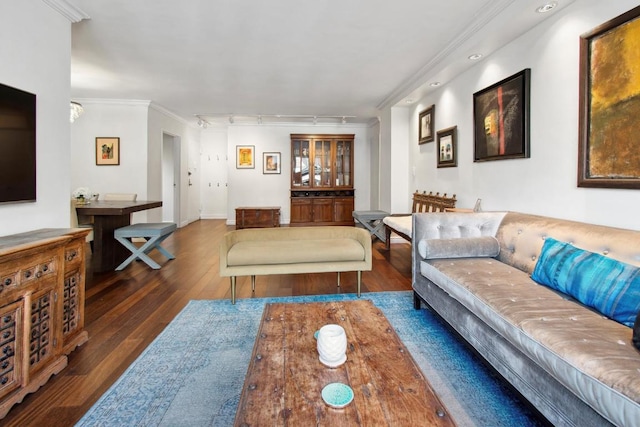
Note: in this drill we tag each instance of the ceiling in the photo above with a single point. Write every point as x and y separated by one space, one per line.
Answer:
284 60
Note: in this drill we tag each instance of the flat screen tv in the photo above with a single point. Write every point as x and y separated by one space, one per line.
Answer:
17 145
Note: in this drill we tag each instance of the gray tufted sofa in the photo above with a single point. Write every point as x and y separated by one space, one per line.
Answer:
573 364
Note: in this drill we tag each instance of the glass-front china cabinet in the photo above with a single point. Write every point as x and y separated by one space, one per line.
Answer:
322 179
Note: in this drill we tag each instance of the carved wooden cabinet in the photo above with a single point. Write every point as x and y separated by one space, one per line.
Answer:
322 179
41 308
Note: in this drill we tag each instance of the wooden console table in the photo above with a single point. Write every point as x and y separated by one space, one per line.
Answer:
42 276
257 217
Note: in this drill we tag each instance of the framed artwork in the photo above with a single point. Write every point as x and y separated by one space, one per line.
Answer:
107 151
426 120
609 102
270 163
501 119
245 157
448 147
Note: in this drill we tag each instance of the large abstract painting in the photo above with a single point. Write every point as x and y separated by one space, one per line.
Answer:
609 150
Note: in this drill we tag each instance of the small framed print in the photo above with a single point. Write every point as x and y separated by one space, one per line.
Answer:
448 147
107 151
245 157
270 163
426 120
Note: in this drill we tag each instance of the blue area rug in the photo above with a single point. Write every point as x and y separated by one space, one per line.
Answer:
193 372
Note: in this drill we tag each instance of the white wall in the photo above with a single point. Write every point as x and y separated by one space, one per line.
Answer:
162 121
214 165
126 120
545 183
35 51
141 127
250 187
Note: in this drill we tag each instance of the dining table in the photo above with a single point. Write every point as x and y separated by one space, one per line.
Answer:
106 217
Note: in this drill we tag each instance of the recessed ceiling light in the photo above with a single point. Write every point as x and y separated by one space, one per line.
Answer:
409 101
475 56
435 84
547 7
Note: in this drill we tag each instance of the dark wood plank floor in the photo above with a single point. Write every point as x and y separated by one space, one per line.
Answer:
126 310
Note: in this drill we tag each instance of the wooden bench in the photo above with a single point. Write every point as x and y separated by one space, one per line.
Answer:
294 250
400 224
153 233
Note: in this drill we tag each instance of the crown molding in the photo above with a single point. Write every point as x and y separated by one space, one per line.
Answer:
488 13
66 9
109 101
162 110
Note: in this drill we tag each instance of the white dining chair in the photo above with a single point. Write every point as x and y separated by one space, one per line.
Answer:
75 224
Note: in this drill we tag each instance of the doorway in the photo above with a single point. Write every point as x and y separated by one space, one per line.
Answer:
170 178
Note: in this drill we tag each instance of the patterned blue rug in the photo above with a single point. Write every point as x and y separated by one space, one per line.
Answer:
192 374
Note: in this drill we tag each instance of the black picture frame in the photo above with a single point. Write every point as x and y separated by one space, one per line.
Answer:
426 120
271 163
609 107
448 147
501 119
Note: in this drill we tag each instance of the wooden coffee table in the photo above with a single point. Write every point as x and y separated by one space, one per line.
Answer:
285 378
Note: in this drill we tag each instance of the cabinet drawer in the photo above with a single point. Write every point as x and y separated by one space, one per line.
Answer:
72 256
10 324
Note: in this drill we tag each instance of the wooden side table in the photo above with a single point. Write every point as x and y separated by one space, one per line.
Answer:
257 217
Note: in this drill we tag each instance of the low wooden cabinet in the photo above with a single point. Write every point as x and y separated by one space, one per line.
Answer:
321 209
262 217
322 180
41 308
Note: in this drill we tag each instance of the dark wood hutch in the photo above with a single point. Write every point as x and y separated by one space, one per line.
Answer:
322 180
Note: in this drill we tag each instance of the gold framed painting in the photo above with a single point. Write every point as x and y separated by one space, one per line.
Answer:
245 157
107 151
609 102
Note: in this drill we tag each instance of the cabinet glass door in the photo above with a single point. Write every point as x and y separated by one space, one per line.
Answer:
343 164
300 163
322 164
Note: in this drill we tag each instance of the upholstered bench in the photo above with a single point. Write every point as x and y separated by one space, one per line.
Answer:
153 233
291 250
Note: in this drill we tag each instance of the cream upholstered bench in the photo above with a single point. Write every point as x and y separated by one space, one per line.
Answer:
292 250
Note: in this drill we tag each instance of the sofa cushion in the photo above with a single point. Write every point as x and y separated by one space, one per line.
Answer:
610 286
471 247
270 252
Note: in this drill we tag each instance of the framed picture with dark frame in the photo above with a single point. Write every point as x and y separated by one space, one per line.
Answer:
271 163
245 157
448 147
609 102
107 151
426 121
501 119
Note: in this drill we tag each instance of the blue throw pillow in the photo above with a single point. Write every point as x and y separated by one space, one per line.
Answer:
610 286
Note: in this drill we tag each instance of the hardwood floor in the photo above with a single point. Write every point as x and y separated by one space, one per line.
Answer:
126 310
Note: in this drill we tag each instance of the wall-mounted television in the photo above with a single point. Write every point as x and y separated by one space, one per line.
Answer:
17 145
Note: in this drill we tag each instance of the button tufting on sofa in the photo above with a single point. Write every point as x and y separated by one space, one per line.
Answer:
555 351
